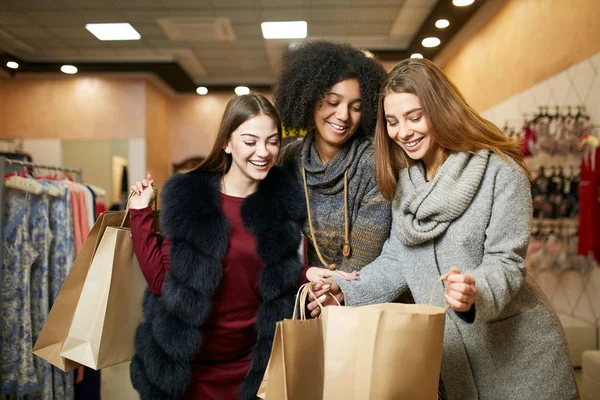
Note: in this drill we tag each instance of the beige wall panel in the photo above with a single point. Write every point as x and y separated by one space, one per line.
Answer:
73 108
526 42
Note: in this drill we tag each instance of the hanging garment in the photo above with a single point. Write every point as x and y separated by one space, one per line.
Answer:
589 207
61 257
17 369
41 237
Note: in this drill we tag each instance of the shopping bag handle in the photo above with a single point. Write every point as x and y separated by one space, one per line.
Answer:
301 297
453 270
127 209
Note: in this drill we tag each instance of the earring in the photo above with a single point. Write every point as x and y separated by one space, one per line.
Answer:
227 151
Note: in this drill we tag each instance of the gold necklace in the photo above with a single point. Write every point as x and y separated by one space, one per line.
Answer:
346 250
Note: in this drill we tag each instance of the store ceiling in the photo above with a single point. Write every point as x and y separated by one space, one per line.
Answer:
224 46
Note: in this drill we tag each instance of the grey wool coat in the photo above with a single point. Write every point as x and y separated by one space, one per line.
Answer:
512 346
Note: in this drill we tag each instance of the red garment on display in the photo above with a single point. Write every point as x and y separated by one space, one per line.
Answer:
229 333
589 206
100 207
529 138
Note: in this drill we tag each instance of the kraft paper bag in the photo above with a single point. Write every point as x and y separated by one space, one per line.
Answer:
295 369
383 352
110 306
58 323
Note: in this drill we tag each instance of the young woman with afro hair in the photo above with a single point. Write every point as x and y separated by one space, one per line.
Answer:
330 91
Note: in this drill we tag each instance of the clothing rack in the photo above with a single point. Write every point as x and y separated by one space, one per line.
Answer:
3 164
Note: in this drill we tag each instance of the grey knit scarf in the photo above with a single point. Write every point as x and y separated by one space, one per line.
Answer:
328 178
426 209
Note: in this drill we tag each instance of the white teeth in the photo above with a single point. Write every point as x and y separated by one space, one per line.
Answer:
258 163
338 127
412 144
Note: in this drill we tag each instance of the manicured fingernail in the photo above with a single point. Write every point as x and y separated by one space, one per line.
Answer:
326 287
318 286
322 298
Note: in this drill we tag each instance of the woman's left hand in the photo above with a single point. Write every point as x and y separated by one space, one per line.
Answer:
461 291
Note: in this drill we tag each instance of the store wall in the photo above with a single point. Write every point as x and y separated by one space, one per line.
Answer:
73 108
193 124
2 121
96 155
526 42
157 135
194 121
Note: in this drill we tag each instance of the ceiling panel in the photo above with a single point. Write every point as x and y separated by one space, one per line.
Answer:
47 43
68 32
190 4
247 31
239 16
137 16
150 31
283 14
55 30
57 18
12 18
27 32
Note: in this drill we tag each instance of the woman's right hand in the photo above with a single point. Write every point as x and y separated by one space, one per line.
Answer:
143 193
316 274
326 290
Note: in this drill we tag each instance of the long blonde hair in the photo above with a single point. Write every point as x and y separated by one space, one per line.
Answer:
454 125
239 110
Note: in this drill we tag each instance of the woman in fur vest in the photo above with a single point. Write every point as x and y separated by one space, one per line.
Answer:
227 269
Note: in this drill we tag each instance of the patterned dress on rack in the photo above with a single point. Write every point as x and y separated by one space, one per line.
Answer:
17 368
62 255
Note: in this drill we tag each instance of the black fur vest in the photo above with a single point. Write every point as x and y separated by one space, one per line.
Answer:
169 337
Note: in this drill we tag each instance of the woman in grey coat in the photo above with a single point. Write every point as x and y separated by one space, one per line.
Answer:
461 199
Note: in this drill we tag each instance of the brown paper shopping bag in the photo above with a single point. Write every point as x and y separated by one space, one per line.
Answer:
295 369
110 306
383 352
56 327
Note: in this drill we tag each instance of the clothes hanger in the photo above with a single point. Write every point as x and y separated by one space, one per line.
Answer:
24 184
51 188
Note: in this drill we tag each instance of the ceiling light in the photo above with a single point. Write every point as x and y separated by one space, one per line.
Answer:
69 69
202 90
241 90
462 3
431 42
12 65
416 55
119 31
442 23
284 30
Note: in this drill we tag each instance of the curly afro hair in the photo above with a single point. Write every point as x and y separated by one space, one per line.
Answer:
311 68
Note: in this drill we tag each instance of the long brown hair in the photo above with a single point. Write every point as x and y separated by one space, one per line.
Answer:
239 110
454 125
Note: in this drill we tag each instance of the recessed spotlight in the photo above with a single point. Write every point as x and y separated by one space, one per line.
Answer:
202 90
431 42
118 31
462 3
12 65
69 69
416 55
241 90
442 23
284 30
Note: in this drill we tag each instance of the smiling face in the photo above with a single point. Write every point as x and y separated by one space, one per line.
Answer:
254 147
409 128
338 115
